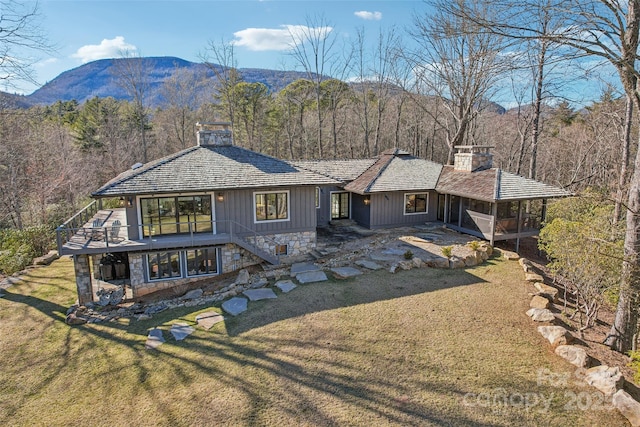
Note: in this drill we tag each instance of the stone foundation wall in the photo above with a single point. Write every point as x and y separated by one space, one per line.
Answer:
297 243
81 266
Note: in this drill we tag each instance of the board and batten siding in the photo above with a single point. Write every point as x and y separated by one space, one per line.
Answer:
387 210
238 206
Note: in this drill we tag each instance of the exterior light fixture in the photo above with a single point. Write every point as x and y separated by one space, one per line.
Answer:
129 201
367 200
220 197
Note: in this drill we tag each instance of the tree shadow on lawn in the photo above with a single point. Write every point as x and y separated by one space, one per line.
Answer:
339 293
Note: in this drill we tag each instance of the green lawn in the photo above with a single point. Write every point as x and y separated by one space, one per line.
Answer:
421 347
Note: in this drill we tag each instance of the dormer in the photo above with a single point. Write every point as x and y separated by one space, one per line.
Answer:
214 133
472 158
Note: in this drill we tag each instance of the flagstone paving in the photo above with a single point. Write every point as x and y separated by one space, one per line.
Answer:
208 319
154 339
286 285
180 331
370 265
235 305
311 276
345 272
260 294
303 267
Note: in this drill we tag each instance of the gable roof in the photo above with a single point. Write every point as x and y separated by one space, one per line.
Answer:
342 170
494 185
397 170
206 168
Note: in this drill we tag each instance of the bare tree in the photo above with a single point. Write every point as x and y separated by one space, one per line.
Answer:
20 38
225 69
130 73
457 62
312 47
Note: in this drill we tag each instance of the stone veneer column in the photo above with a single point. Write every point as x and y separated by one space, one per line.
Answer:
83 278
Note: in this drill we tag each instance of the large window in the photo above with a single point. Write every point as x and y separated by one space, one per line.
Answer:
168 265
202 261
164 265
415 203
174 215
272 206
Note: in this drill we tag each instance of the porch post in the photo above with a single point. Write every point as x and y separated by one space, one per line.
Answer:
447 200
83 278
494 220
519 229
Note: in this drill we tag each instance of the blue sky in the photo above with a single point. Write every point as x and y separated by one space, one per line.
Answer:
87 30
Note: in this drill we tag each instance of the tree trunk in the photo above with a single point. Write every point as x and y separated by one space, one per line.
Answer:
624 161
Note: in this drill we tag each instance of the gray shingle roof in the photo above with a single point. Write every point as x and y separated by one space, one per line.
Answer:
396 170
342 170
205 168
494 184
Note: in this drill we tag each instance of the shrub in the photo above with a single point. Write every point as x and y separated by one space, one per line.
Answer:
18 248
447 251
408 254
474 245
635 364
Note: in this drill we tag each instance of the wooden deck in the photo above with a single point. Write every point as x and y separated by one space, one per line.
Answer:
96 240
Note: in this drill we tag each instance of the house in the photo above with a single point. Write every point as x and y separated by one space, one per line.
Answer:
216 208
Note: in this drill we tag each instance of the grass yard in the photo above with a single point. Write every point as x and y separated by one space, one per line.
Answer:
421 347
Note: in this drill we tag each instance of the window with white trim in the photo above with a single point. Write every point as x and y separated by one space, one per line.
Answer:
271 206
415 203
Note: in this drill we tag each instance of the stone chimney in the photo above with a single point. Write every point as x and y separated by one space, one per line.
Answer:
214 133
472 158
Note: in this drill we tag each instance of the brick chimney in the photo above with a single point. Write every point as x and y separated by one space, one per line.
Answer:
472 158
214 133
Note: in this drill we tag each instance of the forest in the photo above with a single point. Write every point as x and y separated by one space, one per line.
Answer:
357 102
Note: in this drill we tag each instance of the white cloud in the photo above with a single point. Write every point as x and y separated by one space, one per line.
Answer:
106 49
368 16
263 39
46 62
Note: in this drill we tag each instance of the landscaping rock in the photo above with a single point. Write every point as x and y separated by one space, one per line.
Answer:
370 265
235 305
154 339
539 302
471 260
556 335
154 309
345 272
260 294
547 291
575 355
180 331
285 285
208 319
46 259
627 406
605 378
192 294
73 319
302 267
438 262
243 277
417 262
259 282
455 262
393 268
533 277
525 264
311 276
511 256
405 265
541 315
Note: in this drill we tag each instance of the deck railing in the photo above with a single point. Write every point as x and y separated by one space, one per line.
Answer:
237 233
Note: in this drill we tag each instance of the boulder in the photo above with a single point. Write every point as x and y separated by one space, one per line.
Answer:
470 260
510 256
627 406
605 378
405 265
546 291
541 315
556 335
573 354
192 294
455 262
73 319
393 268
525 264
533 277
438 262
539 302
243 277
417 262
46 259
